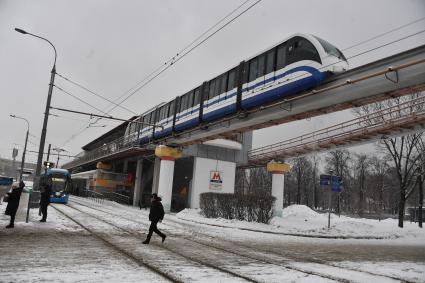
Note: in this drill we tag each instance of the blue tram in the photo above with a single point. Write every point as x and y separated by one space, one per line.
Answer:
60 181
299 63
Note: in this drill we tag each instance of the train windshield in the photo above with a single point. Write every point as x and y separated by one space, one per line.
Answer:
330 49
59 183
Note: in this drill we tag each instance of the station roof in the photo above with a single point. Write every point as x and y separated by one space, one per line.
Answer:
109 136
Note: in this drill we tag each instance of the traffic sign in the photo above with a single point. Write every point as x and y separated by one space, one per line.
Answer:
325 180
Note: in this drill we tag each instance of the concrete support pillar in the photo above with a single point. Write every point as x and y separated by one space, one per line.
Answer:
278 179
138 183
166 173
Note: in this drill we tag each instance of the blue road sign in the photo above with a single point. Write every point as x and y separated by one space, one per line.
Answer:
325 180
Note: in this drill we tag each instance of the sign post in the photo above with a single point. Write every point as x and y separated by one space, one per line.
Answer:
335 184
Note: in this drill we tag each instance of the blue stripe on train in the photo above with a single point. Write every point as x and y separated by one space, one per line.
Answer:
312 81
278 93
187 124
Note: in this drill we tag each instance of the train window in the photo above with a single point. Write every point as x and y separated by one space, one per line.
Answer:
171 108
302 49
212 88
197 96
253 66
146 120
261 65
245 73
270 61
223 79
190 99
184 102
165 111
231 81
217 87
281 56
330 49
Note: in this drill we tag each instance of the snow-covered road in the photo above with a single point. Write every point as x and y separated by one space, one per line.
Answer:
87 242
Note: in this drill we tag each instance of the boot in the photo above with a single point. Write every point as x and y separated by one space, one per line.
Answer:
145 242
10 226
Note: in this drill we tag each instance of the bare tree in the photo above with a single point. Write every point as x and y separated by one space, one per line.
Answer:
302 172
402 150
361 168
379 172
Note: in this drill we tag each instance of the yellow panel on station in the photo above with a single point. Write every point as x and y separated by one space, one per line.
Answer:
165 152
104 166
277 167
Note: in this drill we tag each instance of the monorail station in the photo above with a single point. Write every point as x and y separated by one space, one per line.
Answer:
178 175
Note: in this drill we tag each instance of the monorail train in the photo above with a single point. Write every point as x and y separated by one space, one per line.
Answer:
299 63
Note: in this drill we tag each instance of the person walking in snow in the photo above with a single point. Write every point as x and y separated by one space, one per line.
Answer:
156 214
13 202
46 191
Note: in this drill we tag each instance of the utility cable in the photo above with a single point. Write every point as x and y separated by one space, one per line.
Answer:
94 93
79 99
382 34
186 53
170 61
132 92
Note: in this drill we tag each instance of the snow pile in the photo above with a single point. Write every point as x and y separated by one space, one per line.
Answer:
300 220
299 211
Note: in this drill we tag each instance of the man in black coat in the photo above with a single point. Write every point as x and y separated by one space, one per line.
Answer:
13 202
46 191
156 214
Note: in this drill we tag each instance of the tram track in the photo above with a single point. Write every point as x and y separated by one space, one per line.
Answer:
267 257
121 251
198 253
228 274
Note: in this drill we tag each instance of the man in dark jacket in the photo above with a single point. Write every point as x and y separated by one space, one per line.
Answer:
156 214
45 199
13 202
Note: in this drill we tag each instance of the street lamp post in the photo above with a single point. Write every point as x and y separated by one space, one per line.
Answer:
58 150
23 162
46 112
25 146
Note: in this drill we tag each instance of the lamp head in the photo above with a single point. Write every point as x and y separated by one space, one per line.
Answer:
13 116
20 31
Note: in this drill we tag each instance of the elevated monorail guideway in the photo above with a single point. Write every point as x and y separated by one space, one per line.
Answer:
394 76
396 120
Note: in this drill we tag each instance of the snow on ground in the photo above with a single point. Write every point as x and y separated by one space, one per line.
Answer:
61 251
303 221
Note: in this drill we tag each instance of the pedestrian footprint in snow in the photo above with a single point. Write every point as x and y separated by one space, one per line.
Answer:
156 214
13 202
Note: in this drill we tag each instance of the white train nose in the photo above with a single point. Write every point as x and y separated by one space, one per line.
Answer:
338 69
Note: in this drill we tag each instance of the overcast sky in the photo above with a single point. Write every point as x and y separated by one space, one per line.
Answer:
109 46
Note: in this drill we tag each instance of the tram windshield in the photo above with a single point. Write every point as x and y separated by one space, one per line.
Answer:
59 183
330 49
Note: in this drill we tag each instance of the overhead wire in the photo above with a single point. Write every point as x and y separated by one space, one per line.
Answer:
174 60
170 62
94 93
185 54
79 99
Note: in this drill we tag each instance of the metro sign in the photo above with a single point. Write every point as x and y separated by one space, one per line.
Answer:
216 182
